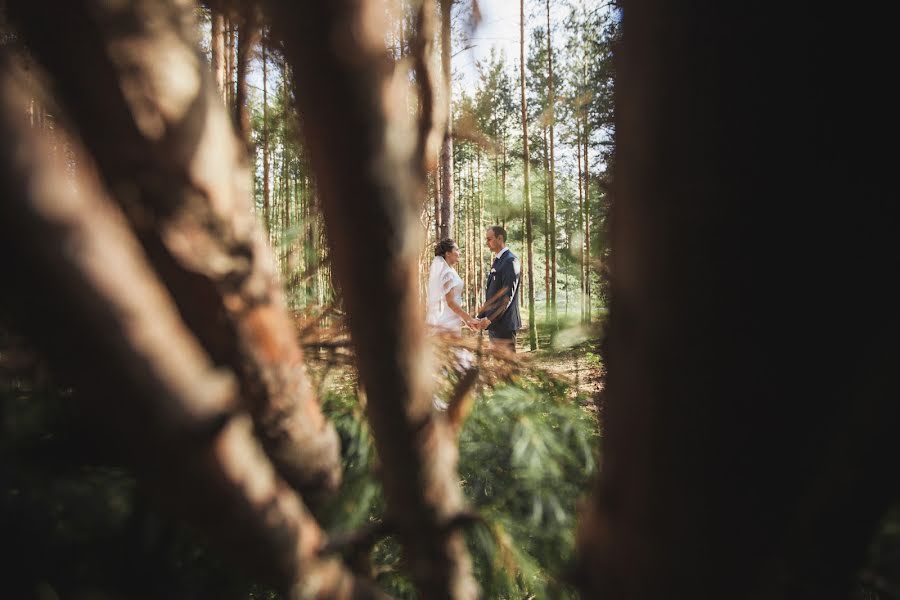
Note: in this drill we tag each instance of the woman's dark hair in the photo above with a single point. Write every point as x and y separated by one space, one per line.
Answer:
443 247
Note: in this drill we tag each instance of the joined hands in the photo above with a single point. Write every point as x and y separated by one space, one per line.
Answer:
478 324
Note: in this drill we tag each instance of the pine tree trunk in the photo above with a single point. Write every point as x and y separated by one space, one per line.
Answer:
285 165
581 218
119 334
187 205
551 194
248 37
567 257
436 178
479 232
229 61
465 199
312 237
447 175
546 224
532 332
217 45
447 145
401 10
751 443
587 224
267 217
371 191
473 212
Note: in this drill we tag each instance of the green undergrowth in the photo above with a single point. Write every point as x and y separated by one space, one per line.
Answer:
527 454
78 524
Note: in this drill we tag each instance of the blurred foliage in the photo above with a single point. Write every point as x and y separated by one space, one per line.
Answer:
525 460
77 524
880 578
526 455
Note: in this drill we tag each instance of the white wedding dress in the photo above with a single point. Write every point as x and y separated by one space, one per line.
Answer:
441 280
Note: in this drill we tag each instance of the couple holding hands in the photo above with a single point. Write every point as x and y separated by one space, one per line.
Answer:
500 313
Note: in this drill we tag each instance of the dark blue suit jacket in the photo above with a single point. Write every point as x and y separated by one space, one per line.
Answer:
503 282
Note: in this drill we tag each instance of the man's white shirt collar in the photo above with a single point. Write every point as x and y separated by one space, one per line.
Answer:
499 254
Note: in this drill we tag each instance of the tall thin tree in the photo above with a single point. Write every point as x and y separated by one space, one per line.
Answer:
447 146
248 37
265 135
217 46
532 332
551 183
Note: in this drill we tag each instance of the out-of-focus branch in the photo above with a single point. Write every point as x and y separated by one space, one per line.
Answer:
371 180
89 299
432 115
150 116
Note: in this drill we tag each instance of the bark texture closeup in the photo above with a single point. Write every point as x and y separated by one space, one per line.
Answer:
751 402
142 99
86 295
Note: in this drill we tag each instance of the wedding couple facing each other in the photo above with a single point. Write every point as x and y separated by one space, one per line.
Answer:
500 313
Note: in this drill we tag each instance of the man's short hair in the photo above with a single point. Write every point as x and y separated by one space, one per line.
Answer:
498 231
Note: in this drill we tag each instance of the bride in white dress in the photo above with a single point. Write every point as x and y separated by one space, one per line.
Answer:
444 311
445 289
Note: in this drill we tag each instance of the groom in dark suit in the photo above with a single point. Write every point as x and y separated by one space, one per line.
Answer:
500 314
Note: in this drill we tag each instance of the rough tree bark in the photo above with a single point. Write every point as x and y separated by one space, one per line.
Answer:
751 401
110 327
165 146
354 120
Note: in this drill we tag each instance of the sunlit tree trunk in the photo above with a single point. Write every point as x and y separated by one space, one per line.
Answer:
479 246
473 253
587 221
532 331
217 45
581 219
447 175
229 61
551 184
436 178
546 222
247 40
267 217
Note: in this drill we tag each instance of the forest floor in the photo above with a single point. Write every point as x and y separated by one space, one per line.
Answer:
577 364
